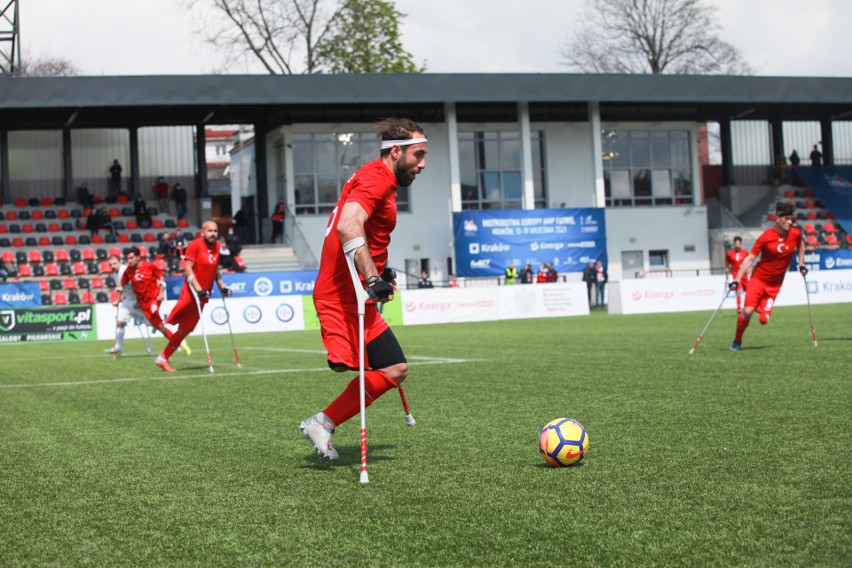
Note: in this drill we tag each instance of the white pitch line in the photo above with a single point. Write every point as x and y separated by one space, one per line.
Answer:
170 377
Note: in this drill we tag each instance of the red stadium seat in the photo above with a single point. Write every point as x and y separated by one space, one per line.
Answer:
810 229
831 239
183 223
60 299
51 269
44 241
789 194
24 270
79 268
122 199
114 212
8 256
27 228
848 239
3 229
97 282
20 202
132 225
143 253
69 284
37 215
34 256
105 267
97 239
44 286
46 202
70 240
87 297
149 238
17 242
63 214
156 224
113 296
61 255
11 216
114 251
829 228
810 215
123 238
53 227
161 264
89 254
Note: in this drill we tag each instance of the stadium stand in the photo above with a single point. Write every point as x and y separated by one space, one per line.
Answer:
814 219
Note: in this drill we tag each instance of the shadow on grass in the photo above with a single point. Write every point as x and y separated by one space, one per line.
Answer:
349 456
545 465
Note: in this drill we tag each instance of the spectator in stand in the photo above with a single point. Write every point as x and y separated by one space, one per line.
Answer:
93 222
511 274
165 246
601 279
278 221
105 221
424 281
527 275
85 198
161 194
542 276
232 240
140 208
115 178
794 163
816 156
179 195
590 277
454 281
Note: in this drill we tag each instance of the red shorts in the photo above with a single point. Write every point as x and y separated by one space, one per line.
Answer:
152 313
339 327
744 282
185 313
761 296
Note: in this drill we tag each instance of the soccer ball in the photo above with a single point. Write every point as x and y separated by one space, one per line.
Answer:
563 442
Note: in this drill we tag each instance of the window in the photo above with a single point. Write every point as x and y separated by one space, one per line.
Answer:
322 162
658 259
647 168
491 173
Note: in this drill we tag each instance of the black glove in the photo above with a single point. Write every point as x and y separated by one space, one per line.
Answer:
804 270
225 291
378 290
389 274
202 294
733 286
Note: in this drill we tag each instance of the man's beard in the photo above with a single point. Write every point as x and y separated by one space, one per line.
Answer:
404 176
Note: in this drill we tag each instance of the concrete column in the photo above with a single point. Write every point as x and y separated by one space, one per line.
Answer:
453 149
528 198
597 153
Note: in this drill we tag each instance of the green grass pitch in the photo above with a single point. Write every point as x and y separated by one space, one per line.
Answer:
716 458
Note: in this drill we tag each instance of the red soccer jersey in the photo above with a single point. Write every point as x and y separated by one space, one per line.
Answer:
373 187
734 258
144 278
205 259
775 252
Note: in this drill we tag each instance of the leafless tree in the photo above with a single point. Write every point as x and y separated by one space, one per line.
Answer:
48 67
652 36
282 35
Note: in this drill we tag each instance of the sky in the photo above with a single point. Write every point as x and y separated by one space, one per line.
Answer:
162 37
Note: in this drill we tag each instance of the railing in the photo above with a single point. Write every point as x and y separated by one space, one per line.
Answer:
295 238
684 273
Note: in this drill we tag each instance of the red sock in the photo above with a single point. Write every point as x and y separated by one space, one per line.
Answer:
347 405
739 302
174 342
742 324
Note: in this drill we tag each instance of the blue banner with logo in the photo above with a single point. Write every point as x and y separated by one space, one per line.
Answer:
255 284
826 259
20 295
487 241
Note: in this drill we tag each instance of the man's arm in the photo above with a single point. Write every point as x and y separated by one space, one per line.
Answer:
351 226
802 268
744 267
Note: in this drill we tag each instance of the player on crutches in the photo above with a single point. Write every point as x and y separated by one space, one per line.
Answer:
360 225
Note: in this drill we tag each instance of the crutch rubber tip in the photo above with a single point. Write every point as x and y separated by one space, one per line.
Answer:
364 477
409 419
691 351
239 365
211 369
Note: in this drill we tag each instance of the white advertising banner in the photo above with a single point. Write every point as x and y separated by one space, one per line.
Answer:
654 295
488 303
248 315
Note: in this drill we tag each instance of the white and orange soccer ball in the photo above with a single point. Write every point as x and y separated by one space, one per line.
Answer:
563 442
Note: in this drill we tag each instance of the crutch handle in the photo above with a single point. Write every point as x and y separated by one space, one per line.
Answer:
349 250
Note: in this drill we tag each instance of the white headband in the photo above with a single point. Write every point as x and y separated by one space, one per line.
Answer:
391 143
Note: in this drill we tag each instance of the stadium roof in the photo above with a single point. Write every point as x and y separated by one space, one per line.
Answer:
268 101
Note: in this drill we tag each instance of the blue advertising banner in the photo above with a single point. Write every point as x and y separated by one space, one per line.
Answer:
20 295
825 259
833 186
255 284
487 241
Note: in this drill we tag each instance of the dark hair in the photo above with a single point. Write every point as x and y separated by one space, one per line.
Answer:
134 250
397 129
738 239
783 209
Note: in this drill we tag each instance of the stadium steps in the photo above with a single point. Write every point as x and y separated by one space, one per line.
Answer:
270 258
